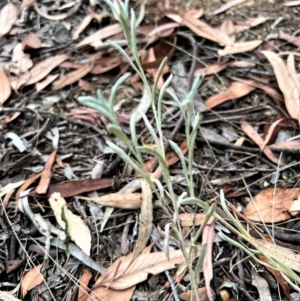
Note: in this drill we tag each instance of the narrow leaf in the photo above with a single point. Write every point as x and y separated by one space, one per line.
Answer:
146 218
77 229
4 86
285 83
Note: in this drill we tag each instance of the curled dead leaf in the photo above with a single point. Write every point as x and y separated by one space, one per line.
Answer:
227 6
272 205
101 34
86 86
121 275
26 3
46 174
8 16
73 76
118 200
31 279
4 86
240 47
284 255
31 41
190 295
236 90
146 218
53 17
39 71
251 133
285 83
84 281
84 23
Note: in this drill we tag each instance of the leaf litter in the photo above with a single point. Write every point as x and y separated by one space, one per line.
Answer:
53 53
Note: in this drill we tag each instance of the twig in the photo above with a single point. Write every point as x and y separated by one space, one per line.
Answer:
170 279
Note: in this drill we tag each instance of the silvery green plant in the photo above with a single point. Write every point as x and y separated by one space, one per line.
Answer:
192 122
105 107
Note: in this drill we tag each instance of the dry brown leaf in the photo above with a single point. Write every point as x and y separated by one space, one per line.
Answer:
26 3
251 133
31 41
43 68
39 71
284 255
211 69
290 63
202 29
101 34
109 294
84 23
278 276
154 56
97 17
242 64
42 84
227 27
285 83
146 218
261 285
270 132
77 229
272 205
73 76
86 86
227 6
105 64
118 200
249 23
240 47
46 174
26 184
218 67
4 86
191 219
286 37
164 30
236 90
31 279
201 293
121 275
83 285
295 206
286 145
276 273
207 268
72 188
8 16
7 296
7 198
277 97
20 62
53 17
